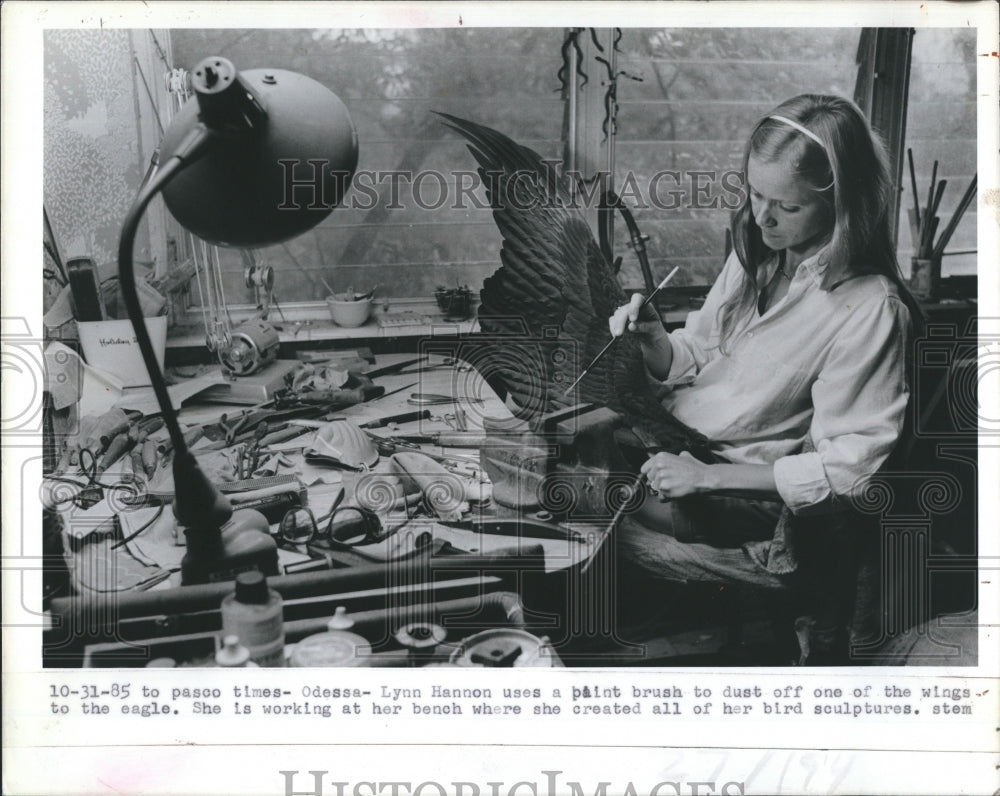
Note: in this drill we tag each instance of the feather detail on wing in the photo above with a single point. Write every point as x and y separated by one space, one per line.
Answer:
550 300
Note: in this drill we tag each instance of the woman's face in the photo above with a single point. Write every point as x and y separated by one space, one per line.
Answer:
791 215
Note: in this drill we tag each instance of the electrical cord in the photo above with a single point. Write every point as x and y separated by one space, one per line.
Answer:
88 470
139 530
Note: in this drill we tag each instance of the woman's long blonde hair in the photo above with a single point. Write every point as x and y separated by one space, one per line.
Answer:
848 168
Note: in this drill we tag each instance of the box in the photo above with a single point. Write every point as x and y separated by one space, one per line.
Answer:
112 346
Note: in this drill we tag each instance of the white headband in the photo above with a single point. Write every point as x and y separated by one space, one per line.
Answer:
805 131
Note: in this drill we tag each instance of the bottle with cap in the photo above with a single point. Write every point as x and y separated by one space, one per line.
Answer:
233 655
336 647
253 613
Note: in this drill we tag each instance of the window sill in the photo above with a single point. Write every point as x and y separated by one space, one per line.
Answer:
306 323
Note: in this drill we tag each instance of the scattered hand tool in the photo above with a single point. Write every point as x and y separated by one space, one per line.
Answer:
388 369
249 459
445 495
446 440
430 398
149 459
387 446
340 398
116 448
611 342
282 434
135 454
534 529
121 428
393 392
405 417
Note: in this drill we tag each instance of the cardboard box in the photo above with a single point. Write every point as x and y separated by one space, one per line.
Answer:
112 346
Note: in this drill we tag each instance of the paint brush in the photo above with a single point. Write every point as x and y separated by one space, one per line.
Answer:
913 185
931 221
611 342
928 214
963 206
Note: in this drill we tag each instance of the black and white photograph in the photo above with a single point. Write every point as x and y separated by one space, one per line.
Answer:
432 341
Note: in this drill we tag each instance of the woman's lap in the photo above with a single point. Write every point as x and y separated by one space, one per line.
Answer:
699 539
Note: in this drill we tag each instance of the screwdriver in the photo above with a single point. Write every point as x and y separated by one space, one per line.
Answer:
613 340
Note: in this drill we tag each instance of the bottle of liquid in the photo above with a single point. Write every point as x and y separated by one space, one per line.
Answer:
253 613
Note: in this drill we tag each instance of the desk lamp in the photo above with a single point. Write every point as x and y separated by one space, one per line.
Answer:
254 159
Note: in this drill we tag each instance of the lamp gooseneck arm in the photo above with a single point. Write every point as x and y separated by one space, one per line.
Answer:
197 503
197 145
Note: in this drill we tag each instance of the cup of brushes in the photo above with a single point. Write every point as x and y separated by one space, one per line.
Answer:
925 265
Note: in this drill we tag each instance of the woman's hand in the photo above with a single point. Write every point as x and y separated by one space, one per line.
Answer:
645 323
676 476
634 317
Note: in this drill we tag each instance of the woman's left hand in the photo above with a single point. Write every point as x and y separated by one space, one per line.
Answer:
675 476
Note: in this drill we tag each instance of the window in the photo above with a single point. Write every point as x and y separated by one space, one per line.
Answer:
688 120
390 81
676 151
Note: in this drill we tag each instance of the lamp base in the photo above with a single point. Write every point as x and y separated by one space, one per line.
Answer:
253 389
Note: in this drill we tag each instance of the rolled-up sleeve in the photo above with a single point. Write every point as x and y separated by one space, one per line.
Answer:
696 343
859 405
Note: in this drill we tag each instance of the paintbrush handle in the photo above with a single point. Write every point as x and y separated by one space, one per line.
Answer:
930 189
913 185
611 342
660 286
956 217
930 217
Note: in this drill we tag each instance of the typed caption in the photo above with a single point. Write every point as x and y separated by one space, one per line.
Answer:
315 698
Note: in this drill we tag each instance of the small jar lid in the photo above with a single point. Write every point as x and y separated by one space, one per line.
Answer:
251 587
334 648
340 620
232 652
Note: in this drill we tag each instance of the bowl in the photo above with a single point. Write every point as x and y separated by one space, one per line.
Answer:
349 314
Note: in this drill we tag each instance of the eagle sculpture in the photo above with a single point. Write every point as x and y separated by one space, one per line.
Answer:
549 302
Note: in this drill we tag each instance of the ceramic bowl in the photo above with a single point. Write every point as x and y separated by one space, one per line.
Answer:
349 314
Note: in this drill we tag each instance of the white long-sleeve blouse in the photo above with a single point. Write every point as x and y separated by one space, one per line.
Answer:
829 365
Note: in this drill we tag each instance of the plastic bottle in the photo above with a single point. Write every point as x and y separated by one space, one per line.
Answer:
253 613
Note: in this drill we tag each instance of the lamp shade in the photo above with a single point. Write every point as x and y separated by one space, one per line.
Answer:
283 158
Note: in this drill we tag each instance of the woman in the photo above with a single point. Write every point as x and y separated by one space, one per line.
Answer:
795 366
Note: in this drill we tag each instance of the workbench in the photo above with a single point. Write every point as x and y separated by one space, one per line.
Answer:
130 594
